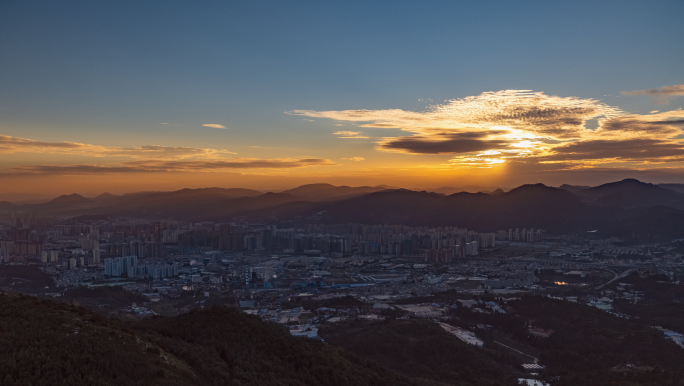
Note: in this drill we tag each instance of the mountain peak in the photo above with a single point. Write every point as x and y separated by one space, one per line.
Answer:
627 183
70 198
532 187
106 196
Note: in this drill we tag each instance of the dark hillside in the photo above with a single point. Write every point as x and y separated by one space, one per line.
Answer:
422 348
51 343
536 206
47 343
224 341
390 207
647 225
323 192
588 346
631 193
8 206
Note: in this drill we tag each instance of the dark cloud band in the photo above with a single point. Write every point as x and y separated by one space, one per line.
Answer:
172 166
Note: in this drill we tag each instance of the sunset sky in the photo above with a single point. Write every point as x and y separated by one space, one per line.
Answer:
127 96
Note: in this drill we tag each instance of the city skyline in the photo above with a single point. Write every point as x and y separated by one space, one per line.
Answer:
165 96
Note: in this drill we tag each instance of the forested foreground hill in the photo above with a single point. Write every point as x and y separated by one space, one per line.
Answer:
422 348
49 343
238 349
590 347
585 346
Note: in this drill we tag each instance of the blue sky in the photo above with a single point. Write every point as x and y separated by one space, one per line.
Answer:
109 74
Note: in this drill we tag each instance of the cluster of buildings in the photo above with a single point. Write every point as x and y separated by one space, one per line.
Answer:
89 242
517 234
117 266
265 268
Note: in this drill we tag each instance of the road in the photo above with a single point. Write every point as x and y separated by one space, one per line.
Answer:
520 352
620 276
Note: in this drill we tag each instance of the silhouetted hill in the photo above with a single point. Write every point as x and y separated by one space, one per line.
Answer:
196 204
311 189
647 225
8 206
573 188
536 206
679 188
69 202
447 190
607 208
69 199
202 193
392 207
285 210
469 189
386 187
324 192
631 193
106 197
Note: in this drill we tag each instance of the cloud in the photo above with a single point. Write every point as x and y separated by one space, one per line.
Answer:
523 127
137 159
443 143
605 151
350 134
354 159
22 145
148 166
503 121
627 138
214 125
532 112
661 125
662 94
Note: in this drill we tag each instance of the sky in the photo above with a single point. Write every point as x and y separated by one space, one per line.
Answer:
161 95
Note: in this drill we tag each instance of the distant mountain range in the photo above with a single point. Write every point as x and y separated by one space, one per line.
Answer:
627 208
469 188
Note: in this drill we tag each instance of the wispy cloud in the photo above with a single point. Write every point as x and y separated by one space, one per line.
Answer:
661 125
148 158
533 112
214 125
157 166
628 138
662 94
610 151
10 144
349 134
357 159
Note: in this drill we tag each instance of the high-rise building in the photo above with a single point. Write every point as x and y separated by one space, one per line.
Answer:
118 265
